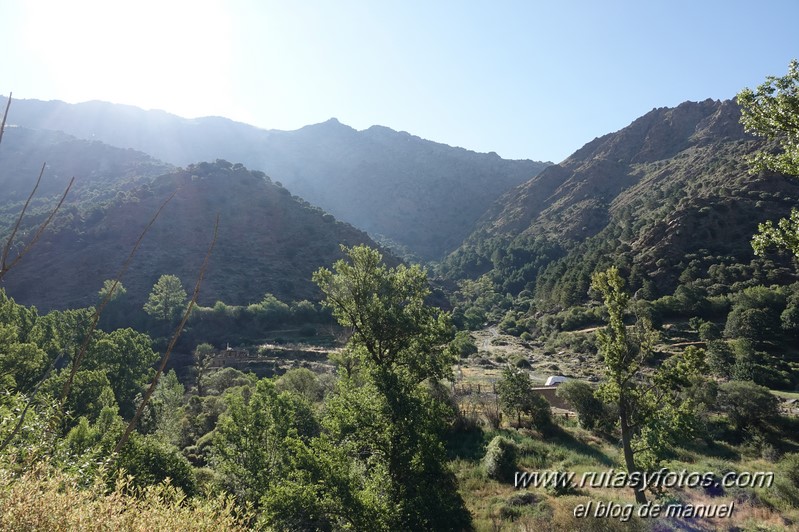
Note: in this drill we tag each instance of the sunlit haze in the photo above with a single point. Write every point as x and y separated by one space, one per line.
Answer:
524 79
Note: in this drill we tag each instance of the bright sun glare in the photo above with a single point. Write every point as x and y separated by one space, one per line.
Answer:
148 53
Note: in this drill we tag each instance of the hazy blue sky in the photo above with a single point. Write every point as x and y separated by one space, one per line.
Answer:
526 79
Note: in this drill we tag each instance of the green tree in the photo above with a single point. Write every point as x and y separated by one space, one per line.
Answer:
772 111
302 382
516 396
746 403
203 356
463 344
114 313
21 364
250 447
580 395
386 418
108 285
650 410
755 314
167 299
162 416
127 357
92 392
789 319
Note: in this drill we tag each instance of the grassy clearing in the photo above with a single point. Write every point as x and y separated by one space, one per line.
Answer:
499 506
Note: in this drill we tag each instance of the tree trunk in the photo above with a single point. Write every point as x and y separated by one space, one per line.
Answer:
629 459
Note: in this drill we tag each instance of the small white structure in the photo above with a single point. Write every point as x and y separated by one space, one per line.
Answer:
555 380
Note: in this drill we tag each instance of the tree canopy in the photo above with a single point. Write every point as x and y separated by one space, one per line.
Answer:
385 417
772 111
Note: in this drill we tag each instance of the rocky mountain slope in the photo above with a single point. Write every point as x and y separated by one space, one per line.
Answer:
670 190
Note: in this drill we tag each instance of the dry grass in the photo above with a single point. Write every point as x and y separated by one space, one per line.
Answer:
44 499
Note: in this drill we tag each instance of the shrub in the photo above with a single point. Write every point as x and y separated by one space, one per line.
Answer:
580 396
48 499
787 483
521 362
746 403
500 459
540 411
709 331
302 382
463 345
150 462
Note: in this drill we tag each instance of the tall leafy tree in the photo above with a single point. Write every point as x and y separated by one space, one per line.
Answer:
249 445
203 356
386 414
651 413
126 356
167 299
516 396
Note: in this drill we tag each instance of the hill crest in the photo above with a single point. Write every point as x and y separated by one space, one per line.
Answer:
420 195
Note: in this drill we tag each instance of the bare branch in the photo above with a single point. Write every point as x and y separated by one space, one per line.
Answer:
10 240
4 266
29 403
39 231
171 346
99 309
5 115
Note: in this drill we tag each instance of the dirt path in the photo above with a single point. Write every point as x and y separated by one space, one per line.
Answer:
487 342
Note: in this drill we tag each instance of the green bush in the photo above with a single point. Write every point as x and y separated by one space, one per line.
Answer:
580 395
151 462
540 411
521 362
746 403
787 484
463 345
500 459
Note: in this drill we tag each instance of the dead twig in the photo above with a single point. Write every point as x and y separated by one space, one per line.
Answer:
5 115
28 404
99 309
171 345
4 265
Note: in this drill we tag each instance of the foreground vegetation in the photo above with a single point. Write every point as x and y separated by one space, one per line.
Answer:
385 435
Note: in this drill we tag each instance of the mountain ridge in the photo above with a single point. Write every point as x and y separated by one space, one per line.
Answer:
430 194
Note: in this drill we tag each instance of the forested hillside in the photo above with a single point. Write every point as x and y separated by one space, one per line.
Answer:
97 167
421 196
269 241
